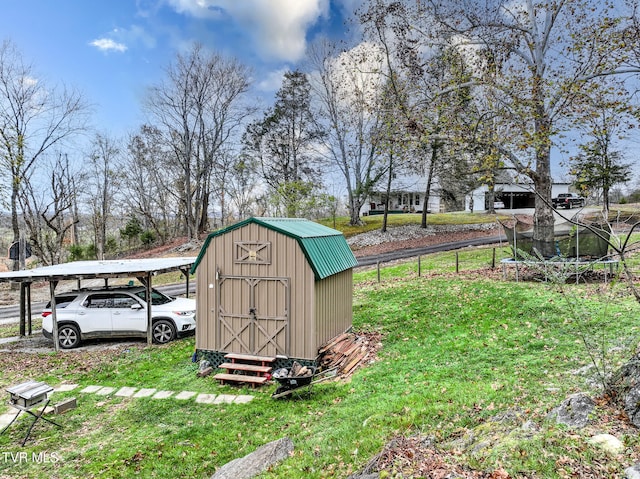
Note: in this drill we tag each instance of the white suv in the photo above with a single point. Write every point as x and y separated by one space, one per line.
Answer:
118 313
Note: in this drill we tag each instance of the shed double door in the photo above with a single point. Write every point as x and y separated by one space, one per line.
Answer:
253 315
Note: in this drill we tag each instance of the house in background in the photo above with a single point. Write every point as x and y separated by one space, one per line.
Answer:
511 195
407 196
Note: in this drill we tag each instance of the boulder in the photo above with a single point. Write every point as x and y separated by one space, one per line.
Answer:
607 442
632 472
625 388
256 462
574 411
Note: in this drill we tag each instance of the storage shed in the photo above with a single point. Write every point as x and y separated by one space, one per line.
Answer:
278 287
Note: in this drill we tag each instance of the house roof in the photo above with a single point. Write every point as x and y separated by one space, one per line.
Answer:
326 249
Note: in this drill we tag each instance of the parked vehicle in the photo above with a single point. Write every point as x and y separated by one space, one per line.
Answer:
118 313
568 200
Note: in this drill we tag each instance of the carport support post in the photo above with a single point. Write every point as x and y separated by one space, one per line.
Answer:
29 312
185 272
54 315
147 285
23 297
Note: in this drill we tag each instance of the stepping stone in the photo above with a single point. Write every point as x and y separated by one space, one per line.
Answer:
65 387
206 398
145 393
185 395
105 391
91 389
7 418
243 399
162 394
126 392
224 399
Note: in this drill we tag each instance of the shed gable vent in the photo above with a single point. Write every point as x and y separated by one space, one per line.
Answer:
252 252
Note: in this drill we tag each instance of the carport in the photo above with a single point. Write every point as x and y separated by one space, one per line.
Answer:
141 269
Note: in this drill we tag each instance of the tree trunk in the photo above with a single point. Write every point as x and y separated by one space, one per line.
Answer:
605 201
14 221
356 206
354 209
203 224
543 232
543 220
388 195
427 192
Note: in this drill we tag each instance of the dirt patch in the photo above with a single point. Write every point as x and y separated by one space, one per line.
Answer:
37 360
38 344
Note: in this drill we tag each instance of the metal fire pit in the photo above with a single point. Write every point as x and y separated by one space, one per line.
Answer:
28 395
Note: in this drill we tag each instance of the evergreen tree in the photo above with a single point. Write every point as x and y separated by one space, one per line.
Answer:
284 144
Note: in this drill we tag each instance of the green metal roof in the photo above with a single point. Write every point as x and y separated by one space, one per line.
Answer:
326 249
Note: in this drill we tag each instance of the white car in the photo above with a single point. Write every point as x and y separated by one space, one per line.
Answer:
119 312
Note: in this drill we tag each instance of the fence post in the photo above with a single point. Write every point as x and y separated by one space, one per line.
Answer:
378 267
493 259
457 263
419 267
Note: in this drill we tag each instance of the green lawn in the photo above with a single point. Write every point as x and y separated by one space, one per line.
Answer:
456 350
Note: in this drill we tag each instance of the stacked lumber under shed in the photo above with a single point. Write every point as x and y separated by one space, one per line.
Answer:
345 352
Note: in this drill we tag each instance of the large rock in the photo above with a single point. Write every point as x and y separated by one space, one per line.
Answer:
607 442
574 411
507 427
258 461
632 472
625 388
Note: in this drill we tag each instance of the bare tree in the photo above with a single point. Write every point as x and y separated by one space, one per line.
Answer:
34 118
49 211
198 108
429 83
243 186
236 185
103 183
549 53
346 87
150 183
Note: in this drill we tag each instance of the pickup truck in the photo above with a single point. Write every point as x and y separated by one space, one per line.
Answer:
567 200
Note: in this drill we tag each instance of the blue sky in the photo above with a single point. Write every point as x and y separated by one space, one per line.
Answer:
112 50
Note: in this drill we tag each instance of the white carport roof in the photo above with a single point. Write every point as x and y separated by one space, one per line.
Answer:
142 269
124 268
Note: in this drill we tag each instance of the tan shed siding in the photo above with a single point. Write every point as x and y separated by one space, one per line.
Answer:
334 310
203 307
287 261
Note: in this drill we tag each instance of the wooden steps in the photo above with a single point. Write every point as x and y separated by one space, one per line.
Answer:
240 378
253 368
246 368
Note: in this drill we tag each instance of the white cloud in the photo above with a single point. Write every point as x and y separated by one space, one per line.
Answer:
277 27
272 81
106 44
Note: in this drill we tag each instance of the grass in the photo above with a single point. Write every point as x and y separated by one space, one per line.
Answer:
13 329
456 351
